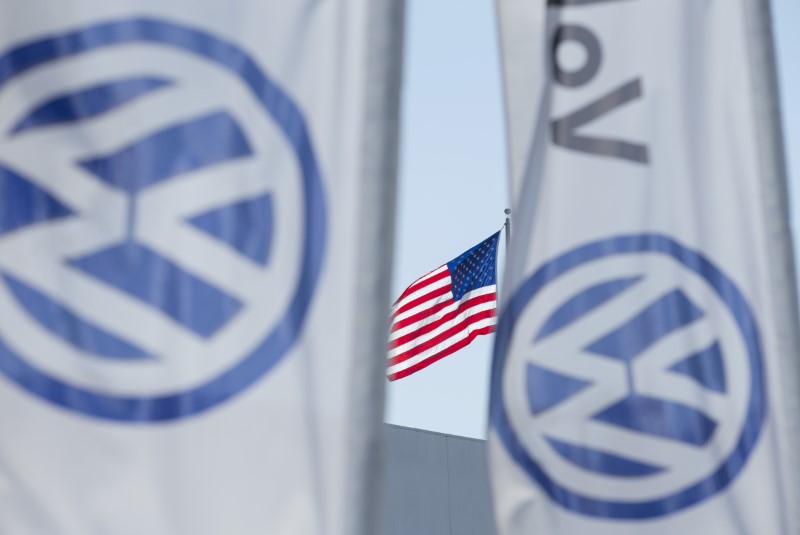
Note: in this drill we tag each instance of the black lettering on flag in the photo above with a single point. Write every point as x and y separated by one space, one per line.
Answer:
564 129
590 43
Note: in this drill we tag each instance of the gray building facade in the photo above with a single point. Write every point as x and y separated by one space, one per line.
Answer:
436 484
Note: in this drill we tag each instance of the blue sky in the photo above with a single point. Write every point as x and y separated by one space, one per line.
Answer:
453 180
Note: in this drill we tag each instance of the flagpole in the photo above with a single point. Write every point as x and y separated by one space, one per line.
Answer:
365 458
775 206
507 226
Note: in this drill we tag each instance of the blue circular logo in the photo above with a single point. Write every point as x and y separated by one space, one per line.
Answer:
628 380
163 220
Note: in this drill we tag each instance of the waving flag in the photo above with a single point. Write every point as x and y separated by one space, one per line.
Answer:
645 374
189 311
444 310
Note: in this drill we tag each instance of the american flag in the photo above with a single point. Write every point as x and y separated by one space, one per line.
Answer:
444 310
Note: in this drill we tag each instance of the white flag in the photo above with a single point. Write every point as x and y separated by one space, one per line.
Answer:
195 199
646 360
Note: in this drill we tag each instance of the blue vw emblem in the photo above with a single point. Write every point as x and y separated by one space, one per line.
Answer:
628 378
162 220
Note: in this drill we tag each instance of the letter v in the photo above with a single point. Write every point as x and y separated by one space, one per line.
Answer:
564 129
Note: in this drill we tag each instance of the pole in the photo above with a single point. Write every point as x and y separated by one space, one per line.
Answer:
378 191
775 206
507 226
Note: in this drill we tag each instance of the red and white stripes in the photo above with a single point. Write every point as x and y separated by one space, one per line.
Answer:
428 325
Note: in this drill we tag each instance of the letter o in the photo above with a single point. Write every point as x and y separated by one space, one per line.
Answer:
588 40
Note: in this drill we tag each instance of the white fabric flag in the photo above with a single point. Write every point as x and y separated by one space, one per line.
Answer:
195 200
646 359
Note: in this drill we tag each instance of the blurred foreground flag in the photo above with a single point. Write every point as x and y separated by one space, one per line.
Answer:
444 310
192 219
646 360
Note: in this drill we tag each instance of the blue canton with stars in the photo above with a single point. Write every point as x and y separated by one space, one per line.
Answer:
475 268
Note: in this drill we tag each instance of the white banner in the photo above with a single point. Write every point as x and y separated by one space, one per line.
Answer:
646 360
194 204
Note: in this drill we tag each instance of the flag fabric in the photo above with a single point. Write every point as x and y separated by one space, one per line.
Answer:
645 373
194 199
444 310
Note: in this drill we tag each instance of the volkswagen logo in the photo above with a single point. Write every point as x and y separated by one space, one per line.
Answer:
162 224
628 378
